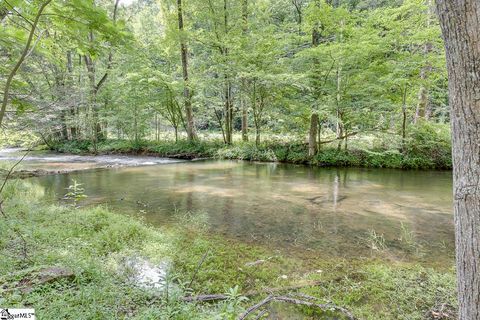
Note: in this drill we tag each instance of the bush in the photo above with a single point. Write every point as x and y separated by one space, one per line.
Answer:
427 146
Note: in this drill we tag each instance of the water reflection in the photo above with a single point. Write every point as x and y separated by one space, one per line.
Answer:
338 212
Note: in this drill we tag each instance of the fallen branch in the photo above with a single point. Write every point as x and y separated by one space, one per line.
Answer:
339 138
324 307
198 267
255 307
218 297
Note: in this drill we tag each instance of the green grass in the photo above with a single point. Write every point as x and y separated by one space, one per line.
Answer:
93 242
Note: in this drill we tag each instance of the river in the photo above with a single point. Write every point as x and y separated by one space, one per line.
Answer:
334 212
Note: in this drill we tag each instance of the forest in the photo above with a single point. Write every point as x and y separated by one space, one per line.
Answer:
239 159
281 80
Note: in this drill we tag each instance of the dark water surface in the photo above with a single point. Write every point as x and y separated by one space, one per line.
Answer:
393 214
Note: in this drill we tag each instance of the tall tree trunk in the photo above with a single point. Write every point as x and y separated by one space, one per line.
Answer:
338 126
186 90
312 136
404 119
243 100
98 133
422 106
228 85
460 22
228 113
298 8
422 101
244 120
73 128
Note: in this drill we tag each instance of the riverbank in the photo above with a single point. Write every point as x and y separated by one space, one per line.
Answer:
88 248
432 156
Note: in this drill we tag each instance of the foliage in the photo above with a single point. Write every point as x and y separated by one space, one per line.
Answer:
115 72
433 153
75 193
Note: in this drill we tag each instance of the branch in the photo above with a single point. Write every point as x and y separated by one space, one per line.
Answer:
11 170
340 138
216 297
255 307
20 60
18 13
324 307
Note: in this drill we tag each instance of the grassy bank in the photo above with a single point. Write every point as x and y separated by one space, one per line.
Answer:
93 244
427 155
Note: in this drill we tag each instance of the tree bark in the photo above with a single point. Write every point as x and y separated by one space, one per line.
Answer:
312 137
460 22
191 134
73 128
243 100
404 119
423 93
228 85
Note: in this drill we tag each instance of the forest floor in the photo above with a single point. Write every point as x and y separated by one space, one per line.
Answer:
86 253
430 155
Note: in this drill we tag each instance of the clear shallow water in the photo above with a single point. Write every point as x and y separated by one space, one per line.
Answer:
52 161
351 213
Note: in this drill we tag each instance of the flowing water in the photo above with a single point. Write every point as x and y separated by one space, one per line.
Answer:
348 212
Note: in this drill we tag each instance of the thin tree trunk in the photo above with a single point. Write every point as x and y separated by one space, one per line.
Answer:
319 134
186 90
72 128
257 135
404 119
312 136
243 100
422 106
460 22
338 126
298 8
20 61
228 85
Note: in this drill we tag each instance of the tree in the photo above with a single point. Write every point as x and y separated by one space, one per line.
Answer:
186 91
26 51
460 22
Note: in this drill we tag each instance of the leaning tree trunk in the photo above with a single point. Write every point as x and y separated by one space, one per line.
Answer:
460 21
